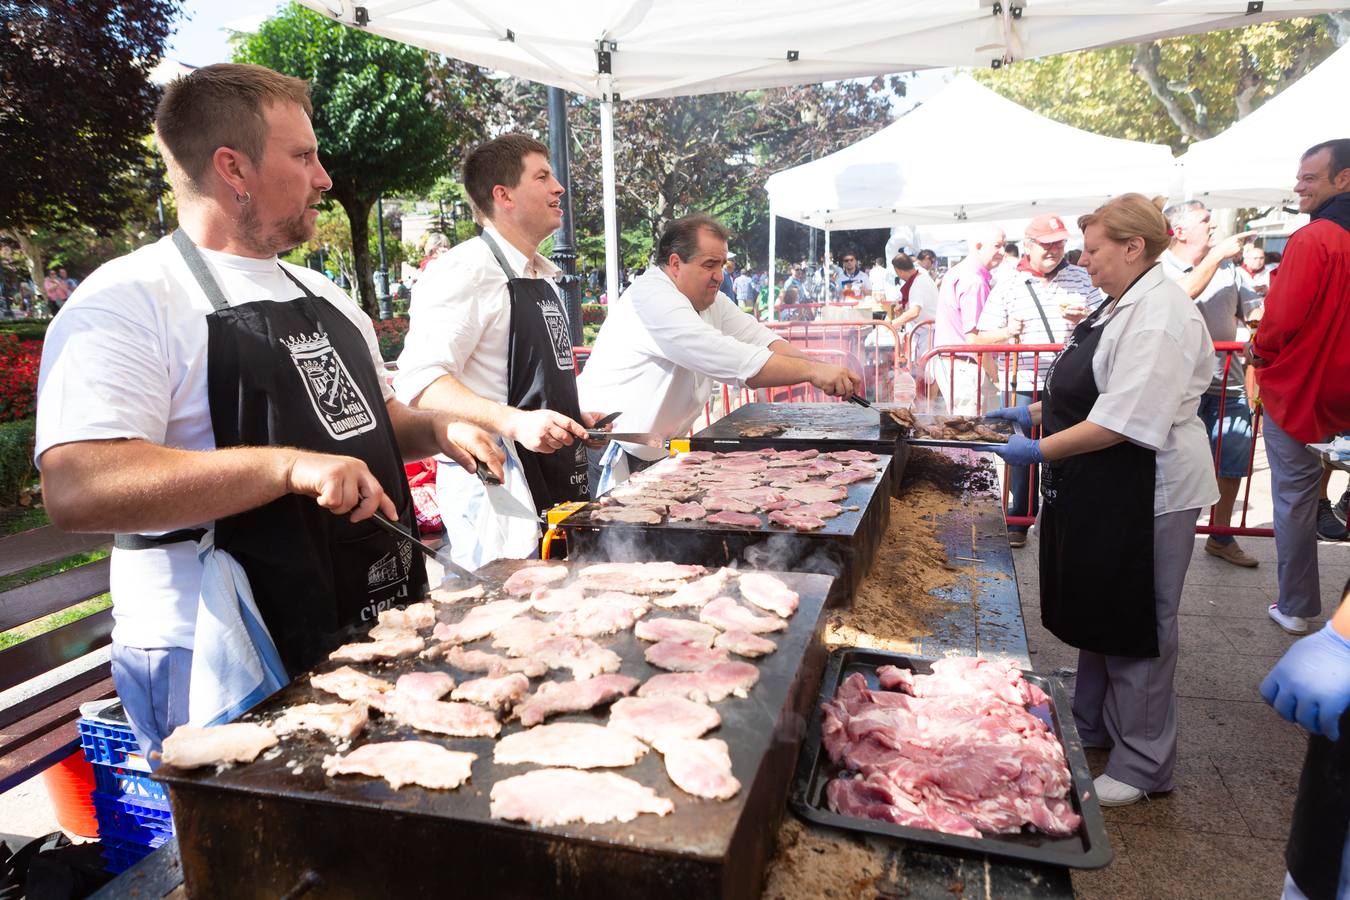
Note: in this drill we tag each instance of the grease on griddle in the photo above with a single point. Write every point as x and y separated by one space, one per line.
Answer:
766 430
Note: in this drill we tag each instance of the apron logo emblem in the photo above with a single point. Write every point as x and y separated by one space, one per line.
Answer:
385 570
555 320
405 552
336 399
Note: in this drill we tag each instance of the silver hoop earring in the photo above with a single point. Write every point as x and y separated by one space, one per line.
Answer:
244 198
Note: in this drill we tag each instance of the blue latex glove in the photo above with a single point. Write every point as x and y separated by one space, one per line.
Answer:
1310 684
1020 451
1018 415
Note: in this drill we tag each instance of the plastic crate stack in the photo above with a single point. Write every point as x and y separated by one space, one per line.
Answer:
132 809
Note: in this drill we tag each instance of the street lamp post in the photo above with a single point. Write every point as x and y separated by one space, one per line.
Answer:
564 241
382 273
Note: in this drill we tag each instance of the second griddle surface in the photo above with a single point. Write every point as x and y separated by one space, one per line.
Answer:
808 423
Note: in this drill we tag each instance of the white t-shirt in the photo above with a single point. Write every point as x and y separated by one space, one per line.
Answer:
656 358
126 358
461 319
1151 367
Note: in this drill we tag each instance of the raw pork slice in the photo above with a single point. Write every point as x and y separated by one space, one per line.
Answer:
480 621
426 685
853 456
404 643
405 762
728 615
556 600
626 515
667 629
190 747
350 684
683 656
701 768
789 478
342 721
709 686
583 656
478 661
725 502
523 582
396 621
441 595
553 697
769 593
519 635
796 520
849 476
696 593
604 614
821 508
558 796
736 519
637 578
654 719
493 692
687 512
743 643
437 716
815 493
576 745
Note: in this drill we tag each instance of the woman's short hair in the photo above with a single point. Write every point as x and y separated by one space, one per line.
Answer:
1132 215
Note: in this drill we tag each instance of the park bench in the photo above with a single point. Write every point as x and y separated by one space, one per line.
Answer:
40 730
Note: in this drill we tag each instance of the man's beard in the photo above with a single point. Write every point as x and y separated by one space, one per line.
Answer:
275 238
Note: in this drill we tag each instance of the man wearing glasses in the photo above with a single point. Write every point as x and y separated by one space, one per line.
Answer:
1038 303
852 283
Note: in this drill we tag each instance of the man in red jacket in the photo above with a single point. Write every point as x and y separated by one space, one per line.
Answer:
1304 371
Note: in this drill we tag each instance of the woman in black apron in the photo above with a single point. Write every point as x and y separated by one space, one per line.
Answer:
1112 565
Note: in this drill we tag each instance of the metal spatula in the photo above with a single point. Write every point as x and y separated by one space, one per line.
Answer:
502 501
451 567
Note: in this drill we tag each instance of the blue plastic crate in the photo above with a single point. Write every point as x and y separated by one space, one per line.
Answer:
119 855
105 743
129 819
116 781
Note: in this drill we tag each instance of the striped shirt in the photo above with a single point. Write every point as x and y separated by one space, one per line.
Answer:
1024 296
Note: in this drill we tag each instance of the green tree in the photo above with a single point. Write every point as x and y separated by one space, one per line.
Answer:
1173 91
389 118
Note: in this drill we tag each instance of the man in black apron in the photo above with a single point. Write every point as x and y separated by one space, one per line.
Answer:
273 402
490 342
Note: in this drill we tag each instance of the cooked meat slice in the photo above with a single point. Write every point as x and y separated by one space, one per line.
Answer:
696 456
824 467
849 476
637 578
479 661
989 434
350 684
493 692
737 519
576 745
638 501
769 593
683 656
394 622
582 656
604 614
700 767
438 716
668 629
744 643
405 762
789 478
815 493
689 685
553 697
190 747
627 515
793 519
821 509
440 595
758 497
558 796
523 582
404 643
654 719
725 502
517 636
696 594
555 600
342 721
426 685
846 456
729 615
687 512
479 621
712 685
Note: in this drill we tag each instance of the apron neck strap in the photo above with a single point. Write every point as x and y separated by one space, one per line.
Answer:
297 282
197 266
501 258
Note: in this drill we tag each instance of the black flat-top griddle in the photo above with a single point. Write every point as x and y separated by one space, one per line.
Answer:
820 426
1087 848
843 548
270 829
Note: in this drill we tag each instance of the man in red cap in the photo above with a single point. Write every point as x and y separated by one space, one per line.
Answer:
1037 304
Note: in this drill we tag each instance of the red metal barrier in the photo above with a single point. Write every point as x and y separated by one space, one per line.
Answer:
875 345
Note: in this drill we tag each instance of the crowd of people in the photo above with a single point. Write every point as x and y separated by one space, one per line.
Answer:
21 299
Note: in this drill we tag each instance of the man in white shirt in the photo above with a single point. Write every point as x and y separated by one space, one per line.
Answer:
744 290
225 414
852 282
490 342
914 303
671 336
877 277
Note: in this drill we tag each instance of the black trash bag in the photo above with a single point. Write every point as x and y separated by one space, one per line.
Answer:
52 868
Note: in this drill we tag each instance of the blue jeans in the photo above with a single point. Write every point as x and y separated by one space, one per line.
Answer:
1236 430
1023 501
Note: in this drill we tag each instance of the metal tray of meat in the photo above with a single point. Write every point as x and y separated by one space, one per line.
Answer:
916 438
1087 848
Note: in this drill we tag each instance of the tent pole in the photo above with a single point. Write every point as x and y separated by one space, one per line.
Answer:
773 246
611 217
828 267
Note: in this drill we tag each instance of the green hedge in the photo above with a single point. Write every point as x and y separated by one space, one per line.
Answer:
16 458
25 329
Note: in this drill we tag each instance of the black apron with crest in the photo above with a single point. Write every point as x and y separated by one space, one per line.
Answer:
540 375
1317 838
298 374
1096 552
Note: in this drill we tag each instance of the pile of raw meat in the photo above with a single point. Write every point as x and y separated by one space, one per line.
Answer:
526 664
797 489
956 751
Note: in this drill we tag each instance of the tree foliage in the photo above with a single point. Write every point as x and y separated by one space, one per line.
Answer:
390 118
1173 91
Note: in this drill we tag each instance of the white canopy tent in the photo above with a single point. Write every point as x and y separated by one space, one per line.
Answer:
635 49
1253 163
